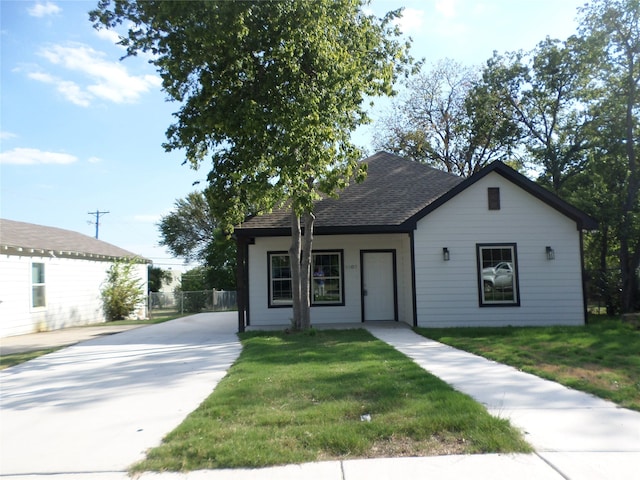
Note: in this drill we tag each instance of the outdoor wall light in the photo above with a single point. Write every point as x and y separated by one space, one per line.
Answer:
445 254
551 255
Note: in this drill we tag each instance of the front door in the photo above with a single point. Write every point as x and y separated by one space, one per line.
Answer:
379 298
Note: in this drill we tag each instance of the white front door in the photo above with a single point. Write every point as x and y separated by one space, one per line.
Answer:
378 285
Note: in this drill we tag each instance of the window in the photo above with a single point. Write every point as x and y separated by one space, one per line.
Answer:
280 283
494 198
498 275
326 282
327 278
38 298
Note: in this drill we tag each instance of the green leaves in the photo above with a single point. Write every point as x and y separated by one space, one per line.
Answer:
270 90
122 291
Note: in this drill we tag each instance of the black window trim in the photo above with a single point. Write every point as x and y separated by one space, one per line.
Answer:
516 300
339 251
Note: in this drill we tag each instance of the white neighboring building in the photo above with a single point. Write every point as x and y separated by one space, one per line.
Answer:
51 278
417 245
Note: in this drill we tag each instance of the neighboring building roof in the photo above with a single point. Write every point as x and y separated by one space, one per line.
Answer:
395 195
20 238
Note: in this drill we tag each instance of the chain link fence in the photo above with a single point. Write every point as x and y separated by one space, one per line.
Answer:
180 303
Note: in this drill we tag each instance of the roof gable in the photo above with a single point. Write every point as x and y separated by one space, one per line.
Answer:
583 221
20 238
395 195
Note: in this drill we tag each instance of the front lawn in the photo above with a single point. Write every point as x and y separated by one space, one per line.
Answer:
602 358
293 398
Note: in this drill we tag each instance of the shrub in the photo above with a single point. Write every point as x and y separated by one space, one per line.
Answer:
122 291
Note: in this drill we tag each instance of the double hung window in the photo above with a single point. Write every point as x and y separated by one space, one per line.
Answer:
326 279
38 298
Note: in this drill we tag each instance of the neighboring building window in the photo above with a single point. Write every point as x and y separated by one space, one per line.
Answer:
38 298
494 198
498 275
326 283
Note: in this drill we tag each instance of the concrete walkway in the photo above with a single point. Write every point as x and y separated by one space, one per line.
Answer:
577 434
89 411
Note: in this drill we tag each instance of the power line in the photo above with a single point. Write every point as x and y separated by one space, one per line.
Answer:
98 214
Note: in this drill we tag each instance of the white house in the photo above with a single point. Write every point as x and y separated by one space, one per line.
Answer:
417 245
51 278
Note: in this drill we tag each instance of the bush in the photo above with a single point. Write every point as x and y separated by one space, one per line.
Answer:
122 291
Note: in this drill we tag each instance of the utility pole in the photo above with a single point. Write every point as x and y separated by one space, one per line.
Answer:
98 214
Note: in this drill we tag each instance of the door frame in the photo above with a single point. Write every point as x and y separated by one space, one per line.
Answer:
392 251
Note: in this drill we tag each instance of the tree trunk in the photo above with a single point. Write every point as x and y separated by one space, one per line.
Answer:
300 259
305 271
628 263
603 277
294 262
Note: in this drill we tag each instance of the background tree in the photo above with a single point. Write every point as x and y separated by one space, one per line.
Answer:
156 277
445 120
610 35
270 92
191 231
541 88
122 291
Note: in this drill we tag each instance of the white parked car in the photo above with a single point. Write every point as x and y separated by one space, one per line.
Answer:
498 277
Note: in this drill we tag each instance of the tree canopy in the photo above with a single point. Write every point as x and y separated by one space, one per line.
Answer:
270 92
568 110
445 119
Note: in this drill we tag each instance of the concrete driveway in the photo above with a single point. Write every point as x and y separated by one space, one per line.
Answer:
99 405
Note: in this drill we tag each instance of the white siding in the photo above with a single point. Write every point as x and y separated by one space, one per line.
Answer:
447 292
72 289
351 312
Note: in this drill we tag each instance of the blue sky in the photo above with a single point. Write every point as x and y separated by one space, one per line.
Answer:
82 131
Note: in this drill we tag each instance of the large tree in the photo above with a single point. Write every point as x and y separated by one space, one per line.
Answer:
447 120
192 232
610 35
270 93
188 230
541 89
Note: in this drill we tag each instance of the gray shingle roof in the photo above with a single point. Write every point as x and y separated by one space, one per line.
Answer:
22 238
394 190
395 195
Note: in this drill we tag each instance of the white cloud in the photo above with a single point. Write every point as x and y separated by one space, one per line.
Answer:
412 20
446 7
43 9
94 160
7 135
108 80
33 156
69 90
108 35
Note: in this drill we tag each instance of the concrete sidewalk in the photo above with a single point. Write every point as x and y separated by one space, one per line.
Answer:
577 434
59 338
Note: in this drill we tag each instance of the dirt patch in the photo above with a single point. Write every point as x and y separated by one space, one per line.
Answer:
407 447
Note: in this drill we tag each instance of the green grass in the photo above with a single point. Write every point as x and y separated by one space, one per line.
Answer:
13 359
601 358
293 398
